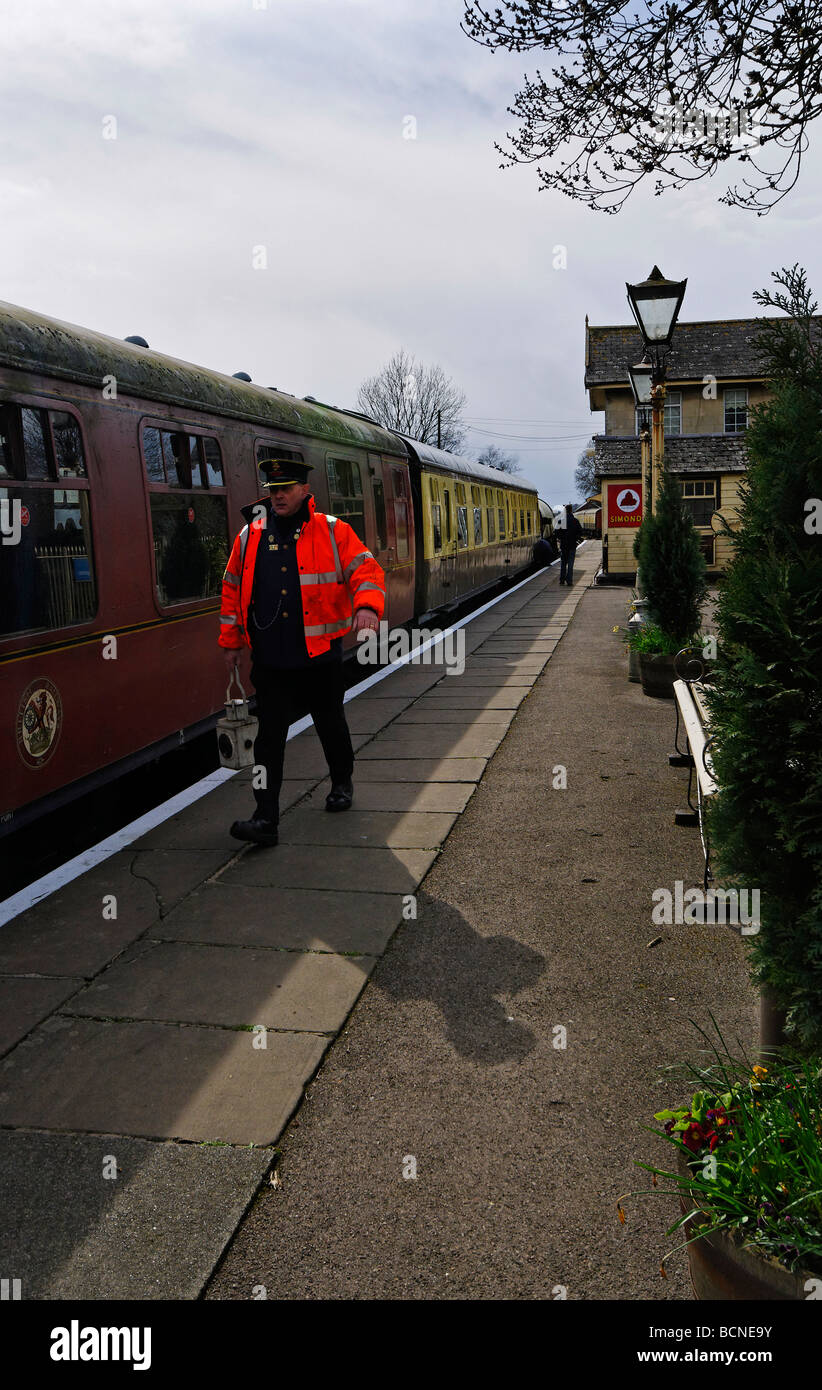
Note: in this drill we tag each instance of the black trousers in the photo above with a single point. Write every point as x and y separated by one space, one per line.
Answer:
284 696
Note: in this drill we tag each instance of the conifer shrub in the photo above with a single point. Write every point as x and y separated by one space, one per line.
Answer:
766 822
672 566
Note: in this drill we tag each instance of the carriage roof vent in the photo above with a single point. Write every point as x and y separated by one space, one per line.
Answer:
137 340
313 399
241 376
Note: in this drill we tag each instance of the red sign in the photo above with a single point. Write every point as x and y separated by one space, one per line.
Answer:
191 513
25 516
624 504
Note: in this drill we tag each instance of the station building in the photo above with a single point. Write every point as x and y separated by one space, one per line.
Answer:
715 377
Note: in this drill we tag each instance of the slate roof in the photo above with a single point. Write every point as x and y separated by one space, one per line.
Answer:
723 348
619 455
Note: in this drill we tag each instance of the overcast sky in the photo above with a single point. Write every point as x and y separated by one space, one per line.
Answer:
242 126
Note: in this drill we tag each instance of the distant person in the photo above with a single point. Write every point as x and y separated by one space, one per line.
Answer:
569 535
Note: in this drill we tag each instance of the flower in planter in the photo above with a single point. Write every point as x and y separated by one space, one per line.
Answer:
751 1163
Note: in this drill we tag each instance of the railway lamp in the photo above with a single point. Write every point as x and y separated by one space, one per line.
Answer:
655 304
237 731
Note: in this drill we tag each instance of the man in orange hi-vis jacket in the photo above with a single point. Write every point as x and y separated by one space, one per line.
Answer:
291 579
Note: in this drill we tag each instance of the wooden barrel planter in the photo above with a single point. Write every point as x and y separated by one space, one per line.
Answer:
723 1269
658 675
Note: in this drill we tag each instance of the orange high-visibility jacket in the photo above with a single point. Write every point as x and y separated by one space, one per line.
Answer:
335 569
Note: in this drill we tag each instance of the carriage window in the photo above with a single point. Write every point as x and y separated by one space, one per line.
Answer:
492 535
213 462
501 515
528 514
34 444
345 493
46 566
189 526
478 525
522 522
153 455
190 545
446 502
173 458
462 527
68 445
193 460
436 524
379 514
400 514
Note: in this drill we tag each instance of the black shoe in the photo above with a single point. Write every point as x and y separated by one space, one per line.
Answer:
340 797
257 830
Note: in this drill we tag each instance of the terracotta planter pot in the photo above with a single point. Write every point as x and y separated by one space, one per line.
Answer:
723 1269
658 676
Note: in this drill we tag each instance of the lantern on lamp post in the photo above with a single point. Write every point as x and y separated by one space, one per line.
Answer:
641 378
655 304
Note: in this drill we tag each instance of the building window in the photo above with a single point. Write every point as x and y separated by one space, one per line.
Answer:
47 576
699 497
188 509
736 410
673 412
345 493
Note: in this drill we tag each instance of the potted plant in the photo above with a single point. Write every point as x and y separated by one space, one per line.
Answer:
673 577
748 1178
655 652
766 712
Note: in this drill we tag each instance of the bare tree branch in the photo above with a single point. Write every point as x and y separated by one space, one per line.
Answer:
661 88
495 457
408 396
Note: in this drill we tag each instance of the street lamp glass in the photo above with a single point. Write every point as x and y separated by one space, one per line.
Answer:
655 304
641 382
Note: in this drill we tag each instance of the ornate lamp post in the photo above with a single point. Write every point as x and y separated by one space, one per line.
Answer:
641 377
655 304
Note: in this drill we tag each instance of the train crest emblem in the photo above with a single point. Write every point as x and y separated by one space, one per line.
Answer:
39 721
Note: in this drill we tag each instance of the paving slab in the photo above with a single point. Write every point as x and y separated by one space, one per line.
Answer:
407 796
66 934
367 716
480 741
476 698
405 769
172 1208
229 986
296 919
205 824
26 1002
304 758
156 1080
395 829
344 869
456 713
408 680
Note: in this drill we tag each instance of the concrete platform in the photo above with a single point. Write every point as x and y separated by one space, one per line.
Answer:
198 1012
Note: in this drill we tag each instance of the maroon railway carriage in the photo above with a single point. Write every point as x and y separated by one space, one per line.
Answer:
122 475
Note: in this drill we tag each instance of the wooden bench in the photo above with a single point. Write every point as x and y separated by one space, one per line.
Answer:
693 717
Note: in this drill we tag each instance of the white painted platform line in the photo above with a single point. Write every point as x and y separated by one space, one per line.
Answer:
121 839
